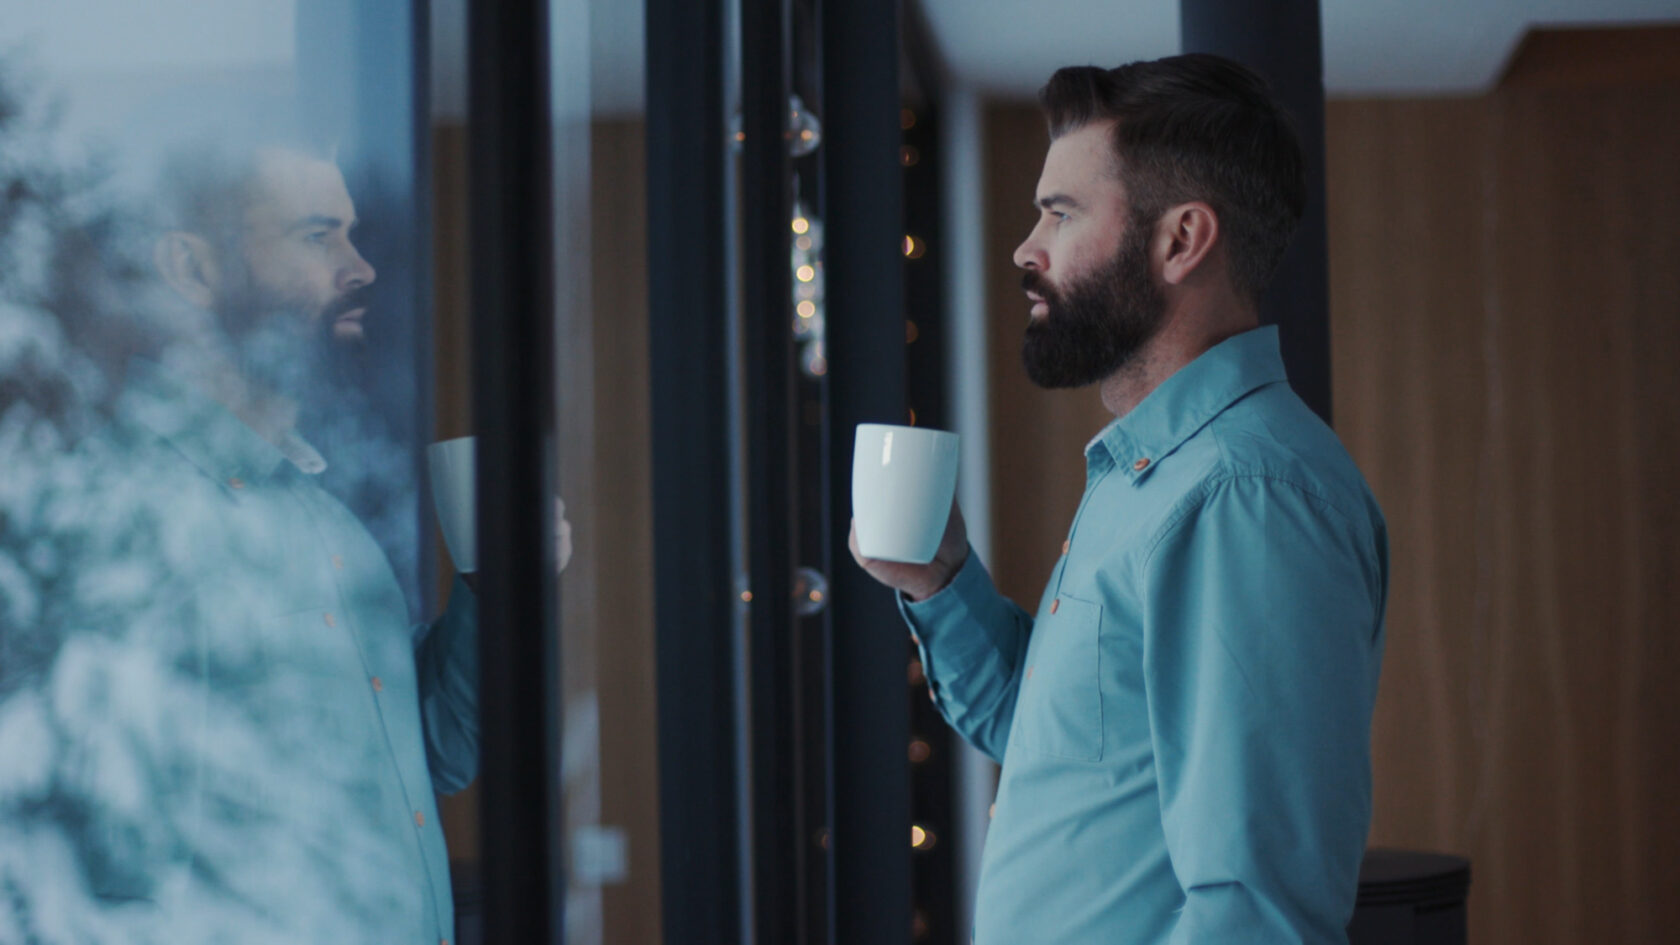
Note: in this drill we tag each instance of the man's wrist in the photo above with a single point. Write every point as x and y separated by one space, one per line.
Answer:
949 574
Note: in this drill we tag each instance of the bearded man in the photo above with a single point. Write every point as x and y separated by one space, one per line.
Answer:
1184 723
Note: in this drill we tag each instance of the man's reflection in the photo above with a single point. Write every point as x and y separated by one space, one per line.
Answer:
236 730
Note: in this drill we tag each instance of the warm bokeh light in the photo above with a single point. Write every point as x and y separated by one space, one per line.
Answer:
801 225
922 838
805 273
806 309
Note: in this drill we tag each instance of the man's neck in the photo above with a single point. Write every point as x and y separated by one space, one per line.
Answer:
1184 336
212 373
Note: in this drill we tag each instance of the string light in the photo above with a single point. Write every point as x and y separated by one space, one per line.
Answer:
805 273
802 225
807 308
921 837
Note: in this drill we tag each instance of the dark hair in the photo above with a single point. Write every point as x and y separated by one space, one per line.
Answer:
1195 127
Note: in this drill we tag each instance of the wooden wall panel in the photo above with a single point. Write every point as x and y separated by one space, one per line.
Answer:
623 506
1522 442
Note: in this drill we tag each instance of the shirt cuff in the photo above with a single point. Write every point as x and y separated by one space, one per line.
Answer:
960 624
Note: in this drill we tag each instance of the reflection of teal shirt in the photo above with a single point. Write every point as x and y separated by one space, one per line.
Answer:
1184 728
317 721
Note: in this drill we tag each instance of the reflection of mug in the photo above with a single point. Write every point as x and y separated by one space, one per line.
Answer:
903 480
451 463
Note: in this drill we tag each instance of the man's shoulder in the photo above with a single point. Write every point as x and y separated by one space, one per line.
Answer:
1272 442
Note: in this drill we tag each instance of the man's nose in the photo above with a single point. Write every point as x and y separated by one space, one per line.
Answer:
357 273
1029 255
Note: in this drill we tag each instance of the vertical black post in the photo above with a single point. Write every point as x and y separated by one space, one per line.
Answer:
693 583
767 351
513 412
1280 39
864 229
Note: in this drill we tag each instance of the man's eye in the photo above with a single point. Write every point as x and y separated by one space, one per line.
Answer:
318 236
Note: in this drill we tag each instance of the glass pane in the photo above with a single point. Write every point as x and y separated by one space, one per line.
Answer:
228 684
608 774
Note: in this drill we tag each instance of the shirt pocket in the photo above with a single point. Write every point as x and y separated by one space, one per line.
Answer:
1059 709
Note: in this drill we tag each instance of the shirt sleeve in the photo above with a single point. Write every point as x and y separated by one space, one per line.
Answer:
971 640
446 663
1262 643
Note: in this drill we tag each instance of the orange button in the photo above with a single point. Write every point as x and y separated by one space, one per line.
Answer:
1065 546
1055 604
338 562
419 819
331 621
1029 672
1141 464
236 483
378 684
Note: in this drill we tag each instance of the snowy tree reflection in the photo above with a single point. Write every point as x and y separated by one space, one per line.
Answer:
190 746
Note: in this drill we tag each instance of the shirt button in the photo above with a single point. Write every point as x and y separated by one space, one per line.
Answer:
338 562
1141 464
330 620
1055 604
378 684
419 819
236 483
1065 546
1029 672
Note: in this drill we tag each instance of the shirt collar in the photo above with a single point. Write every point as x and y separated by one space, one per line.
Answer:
205 432
1185 402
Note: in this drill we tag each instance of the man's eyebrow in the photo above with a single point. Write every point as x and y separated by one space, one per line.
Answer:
1052 201
316 221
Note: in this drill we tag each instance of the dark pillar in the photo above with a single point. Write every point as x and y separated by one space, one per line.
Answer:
694 603
771 519
1280 39
863 204
513 412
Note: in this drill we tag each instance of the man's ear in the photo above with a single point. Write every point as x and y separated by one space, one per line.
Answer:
1187 232
186 262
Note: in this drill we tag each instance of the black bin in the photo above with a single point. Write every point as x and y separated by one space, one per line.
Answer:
1407 897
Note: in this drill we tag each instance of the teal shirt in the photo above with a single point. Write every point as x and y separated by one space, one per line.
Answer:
1184 726
251 727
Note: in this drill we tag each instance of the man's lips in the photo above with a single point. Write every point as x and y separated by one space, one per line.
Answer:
1039 306
349 324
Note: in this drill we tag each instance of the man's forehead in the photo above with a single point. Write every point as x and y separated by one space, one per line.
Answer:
290 185
1079 161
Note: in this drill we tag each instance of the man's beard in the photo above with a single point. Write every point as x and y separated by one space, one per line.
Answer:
1094 326
284 350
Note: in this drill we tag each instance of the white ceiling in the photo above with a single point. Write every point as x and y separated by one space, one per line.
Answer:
1007 48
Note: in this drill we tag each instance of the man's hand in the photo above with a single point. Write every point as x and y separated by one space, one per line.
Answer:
562 544
562 536
921 581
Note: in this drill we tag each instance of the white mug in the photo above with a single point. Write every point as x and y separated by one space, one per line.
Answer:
452 468
903 481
